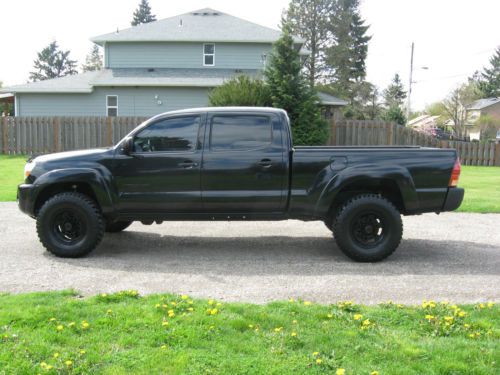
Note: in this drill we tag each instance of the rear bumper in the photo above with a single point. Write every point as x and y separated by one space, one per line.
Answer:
25 199
453 199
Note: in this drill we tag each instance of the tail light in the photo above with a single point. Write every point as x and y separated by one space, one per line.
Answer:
455 174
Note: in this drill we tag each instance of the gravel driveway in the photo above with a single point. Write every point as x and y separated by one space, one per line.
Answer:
452 257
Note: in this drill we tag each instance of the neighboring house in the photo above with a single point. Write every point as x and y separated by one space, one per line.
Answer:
481 107
424 123
157 67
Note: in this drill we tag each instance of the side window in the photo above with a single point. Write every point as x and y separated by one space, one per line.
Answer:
209 54
240 132
173 134
112 105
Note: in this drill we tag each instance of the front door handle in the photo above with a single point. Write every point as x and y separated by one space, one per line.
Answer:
266 163
188 164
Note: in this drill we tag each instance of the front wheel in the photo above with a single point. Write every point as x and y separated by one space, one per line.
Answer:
368 228
70 225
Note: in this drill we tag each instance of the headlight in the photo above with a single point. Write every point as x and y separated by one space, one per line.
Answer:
28 168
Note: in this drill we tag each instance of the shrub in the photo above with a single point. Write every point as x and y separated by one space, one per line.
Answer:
241 91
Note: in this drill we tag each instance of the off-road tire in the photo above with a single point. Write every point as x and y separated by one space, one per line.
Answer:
368 228
116 226
70 225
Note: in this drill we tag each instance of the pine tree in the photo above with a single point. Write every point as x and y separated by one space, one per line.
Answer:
143 14
51 63
309 19
396 114
290 91
395 94
93 61
489 82
348 54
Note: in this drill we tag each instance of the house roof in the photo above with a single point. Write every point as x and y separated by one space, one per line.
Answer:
483 103
196 26
327 99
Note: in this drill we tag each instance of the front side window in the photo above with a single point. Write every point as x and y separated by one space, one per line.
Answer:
209 54
173 134
112 105
240 132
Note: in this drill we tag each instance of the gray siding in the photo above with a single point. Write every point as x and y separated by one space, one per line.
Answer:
185 55
131 101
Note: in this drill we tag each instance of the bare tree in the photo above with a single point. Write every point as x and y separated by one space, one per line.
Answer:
456 103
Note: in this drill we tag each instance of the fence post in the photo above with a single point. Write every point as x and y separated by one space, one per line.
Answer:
5 138
108 131
390 130
496 157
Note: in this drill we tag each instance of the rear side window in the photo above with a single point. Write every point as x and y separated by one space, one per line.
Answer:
240 132
174 134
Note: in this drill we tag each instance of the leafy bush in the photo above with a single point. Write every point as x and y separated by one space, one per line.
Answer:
241 91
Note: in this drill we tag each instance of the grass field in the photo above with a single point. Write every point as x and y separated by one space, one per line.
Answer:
61 332
482 184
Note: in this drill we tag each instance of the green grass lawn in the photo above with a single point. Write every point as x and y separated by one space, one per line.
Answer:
61 332
482 184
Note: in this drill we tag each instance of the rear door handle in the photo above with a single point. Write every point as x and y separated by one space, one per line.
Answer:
188 164
266 163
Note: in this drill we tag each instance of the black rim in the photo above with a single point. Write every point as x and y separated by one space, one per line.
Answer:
68 226
368 229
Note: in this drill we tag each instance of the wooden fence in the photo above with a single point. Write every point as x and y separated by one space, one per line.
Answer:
39 135
380 133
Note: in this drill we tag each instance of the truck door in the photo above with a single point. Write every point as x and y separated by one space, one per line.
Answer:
162 173
245 165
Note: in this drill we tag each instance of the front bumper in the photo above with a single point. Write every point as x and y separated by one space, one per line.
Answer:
25 199
453 199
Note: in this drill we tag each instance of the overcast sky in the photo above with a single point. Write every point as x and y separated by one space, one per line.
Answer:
452 38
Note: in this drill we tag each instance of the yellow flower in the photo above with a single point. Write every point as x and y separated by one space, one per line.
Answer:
366 322
173 303
52 319
56 355
340 371
448 319
315 354
307 303
278 329
85 325
481 306
71 324
60 327
82 352
210 301
109 312
190 309
291 300
374 373
49 367
462 314
68 363
164 305
250 326
294 321
184 297
163 347
190 302
218 304
466 326
157 305
214 311
329 316
318 361
171 313
399 306
426 304
104 295
43 365
490 305
429 317
357 316
294 334
164 324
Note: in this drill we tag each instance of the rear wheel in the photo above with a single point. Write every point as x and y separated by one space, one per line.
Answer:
368 228
70 225
117 226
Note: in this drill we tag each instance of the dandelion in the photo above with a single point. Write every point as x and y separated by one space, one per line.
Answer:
307 303
163 347
426 304
85 325
278 329
164 306
214 311
171 313
190 302
60 327
340 371
315 354
318 361
291 300
329 316
490 305
109 312
429 317
357 316
190 309
104 295
293 334
399 306
448 319
481 306
43 365
218 304
72 324
82 352
211 302
164 324
250 326
52 319
374 373
157 305
173 303
462 314
466 326
366 322
68 363
56 355
184 297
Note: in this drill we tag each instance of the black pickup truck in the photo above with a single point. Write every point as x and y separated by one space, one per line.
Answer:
235 164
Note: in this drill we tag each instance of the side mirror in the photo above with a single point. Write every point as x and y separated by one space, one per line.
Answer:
128 146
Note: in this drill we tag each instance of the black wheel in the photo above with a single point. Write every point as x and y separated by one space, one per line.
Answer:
368 228
117 226
70 225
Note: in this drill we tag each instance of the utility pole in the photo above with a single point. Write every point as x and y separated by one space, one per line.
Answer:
408 108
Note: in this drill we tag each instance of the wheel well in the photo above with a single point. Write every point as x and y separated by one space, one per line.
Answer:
50 191
383 187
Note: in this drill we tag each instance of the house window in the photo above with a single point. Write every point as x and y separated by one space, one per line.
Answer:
112 105
209 54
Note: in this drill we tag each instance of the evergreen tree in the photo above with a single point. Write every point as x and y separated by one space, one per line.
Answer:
143 14
396 114
241 91
51 63
489 82
309 19
290 91
394 94
347 55
93 61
